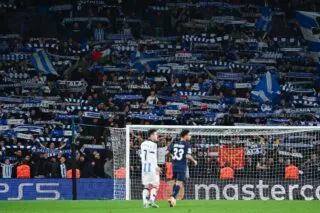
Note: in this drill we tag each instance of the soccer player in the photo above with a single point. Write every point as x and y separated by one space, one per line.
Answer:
150 169
180 152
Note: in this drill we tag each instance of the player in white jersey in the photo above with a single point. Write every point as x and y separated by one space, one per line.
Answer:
150 169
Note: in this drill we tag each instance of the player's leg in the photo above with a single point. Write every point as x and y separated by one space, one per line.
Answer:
179 179
145 192
176 189
172 199
153 195
154 191
145 197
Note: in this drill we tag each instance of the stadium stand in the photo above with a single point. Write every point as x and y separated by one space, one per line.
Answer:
111 63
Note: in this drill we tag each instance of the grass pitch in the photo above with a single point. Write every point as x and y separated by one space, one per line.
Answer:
182 207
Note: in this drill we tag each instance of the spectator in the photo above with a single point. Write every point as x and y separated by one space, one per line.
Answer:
249 167
311 167
80 74
54 169
86 168
98 165
69 173
108 168
23 170
226 172
152 99
7 169
63 167
169 170
291 172
99 33
120 173
76 33
41 166
64 49
263 167
279 168
19 155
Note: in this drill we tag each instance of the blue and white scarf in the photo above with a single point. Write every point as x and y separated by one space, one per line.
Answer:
159 8
11 121
52 153
71 86
74 100
59 133
8 6
92 146
66 117
29 128
94 115
81 108
150 116
14 77
16 147
200 39
128 97
51 140
305 101
14 111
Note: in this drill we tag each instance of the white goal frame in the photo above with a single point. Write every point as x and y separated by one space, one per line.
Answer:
129 127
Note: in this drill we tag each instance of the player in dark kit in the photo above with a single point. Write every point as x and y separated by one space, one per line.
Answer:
180 152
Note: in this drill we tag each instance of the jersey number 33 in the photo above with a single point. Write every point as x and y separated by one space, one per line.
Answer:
177 154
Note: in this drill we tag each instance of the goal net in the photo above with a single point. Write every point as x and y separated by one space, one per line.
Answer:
234 163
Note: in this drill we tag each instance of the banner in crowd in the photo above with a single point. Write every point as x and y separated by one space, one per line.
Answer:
11 121
267 89
29 128
71 86
61 7
235 156
12 57
309 25
42 63
264 22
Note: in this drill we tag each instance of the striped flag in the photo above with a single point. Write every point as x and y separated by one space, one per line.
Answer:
310 28
42 63
266 90
264 22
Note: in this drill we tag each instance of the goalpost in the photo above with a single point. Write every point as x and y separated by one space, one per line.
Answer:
265 161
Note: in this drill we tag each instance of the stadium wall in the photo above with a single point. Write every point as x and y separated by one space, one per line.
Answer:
55 189
241 189
256 190
196 189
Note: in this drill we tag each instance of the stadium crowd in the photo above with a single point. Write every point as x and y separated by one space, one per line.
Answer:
91 65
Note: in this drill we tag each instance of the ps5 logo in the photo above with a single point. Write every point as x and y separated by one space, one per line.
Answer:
40 191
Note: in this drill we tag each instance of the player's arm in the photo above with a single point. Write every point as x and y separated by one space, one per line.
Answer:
143 151
169 150
158 170
189 156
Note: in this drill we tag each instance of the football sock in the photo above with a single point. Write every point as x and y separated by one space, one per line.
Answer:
175 190
153 194
145 195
